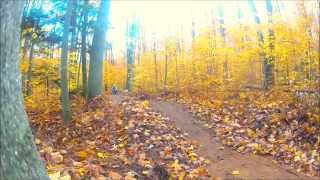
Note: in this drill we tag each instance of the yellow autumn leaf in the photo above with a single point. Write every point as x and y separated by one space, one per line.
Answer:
81 171
82 155
176 166
182 176
241 149
120 145
251 133
102 155
145 104
235 172
58 176
54 176
65 177
242 95
145 172
207 161
37 141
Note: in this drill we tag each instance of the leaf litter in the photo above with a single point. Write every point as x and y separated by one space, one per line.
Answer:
272 125
128 142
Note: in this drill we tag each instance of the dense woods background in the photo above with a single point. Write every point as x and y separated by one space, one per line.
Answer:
221 57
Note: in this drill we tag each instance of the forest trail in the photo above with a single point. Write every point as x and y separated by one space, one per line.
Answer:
223 160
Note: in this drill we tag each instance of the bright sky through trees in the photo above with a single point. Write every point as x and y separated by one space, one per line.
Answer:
165 18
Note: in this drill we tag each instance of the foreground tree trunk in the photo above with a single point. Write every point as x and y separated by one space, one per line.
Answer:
95 83
19 158
84 49
64 66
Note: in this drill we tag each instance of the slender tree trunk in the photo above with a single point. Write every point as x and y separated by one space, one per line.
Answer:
78 73
269 65
73 25
25 46
29 75
139 53
155 66
84 50
214 45
156 71
129 68
130 59
47 84
223 35
165 72
177 76
193 69
308 60
267 70
95 83
23 79
19 157
287 71
51 50
112 56
64 66
47 50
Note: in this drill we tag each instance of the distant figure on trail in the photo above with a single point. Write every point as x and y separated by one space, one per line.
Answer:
114 89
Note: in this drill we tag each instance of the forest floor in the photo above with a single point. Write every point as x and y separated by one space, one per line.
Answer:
129 137
224 163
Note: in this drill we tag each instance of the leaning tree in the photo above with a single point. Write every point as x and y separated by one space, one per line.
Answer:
19 158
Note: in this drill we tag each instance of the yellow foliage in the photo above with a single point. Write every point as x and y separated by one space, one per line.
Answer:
211 66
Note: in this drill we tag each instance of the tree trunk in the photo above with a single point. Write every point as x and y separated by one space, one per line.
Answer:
307 27
222 31
266 63
23 83
129 68
156 71
73 25
47 84
193 68
269 65
130 57
84 50
64 66
165 72
95 83
155 66
177 71
25 46
19 157
51 50
78 73
29 75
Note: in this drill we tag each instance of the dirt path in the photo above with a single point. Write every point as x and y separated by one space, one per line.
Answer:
116 99
223 161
